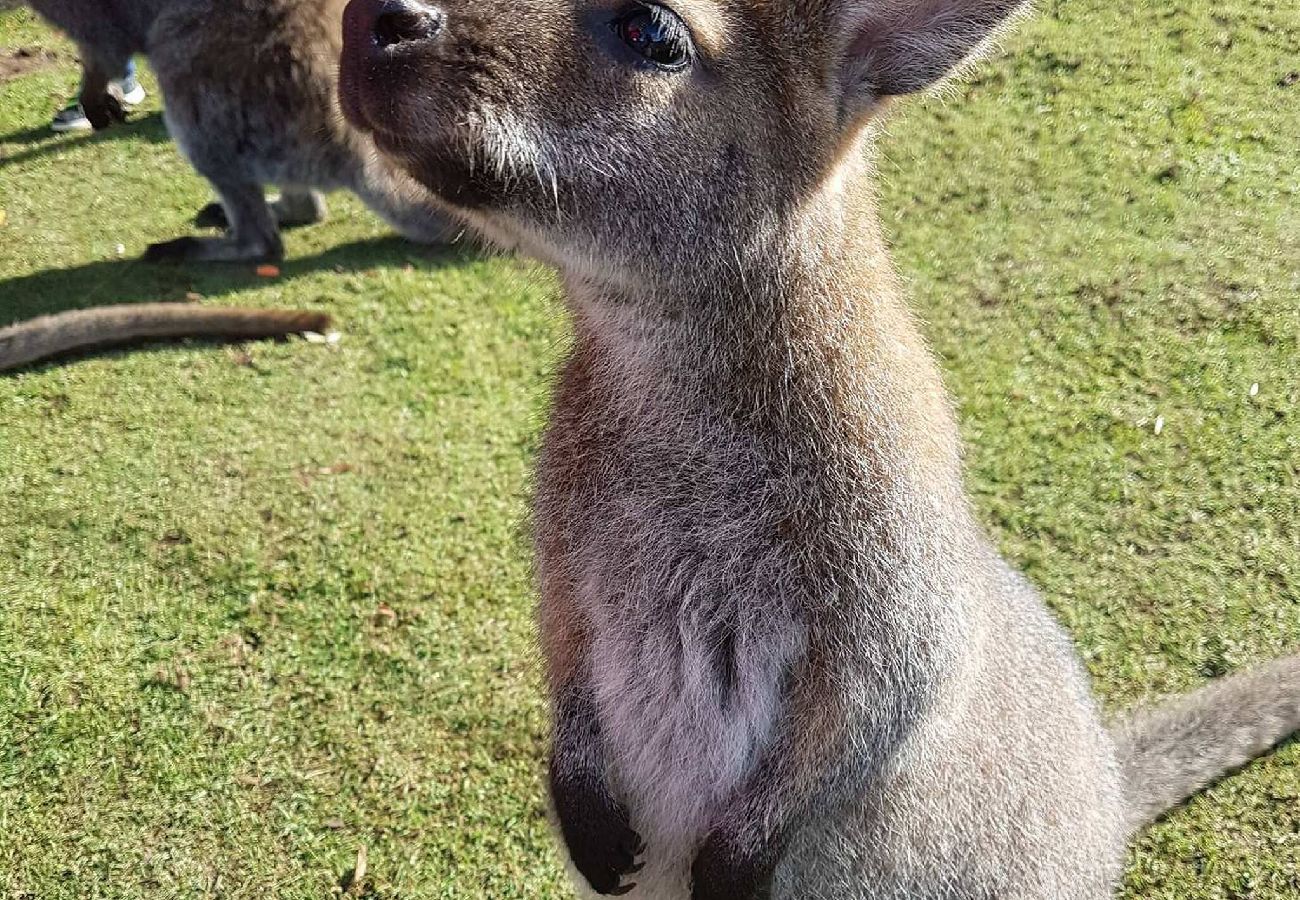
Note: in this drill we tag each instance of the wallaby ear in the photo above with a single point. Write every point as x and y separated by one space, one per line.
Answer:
901 46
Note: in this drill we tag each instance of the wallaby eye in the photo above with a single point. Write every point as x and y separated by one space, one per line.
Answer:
657 33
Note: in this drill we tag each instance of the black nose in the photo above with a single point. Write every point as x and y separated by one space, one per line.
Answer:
406 21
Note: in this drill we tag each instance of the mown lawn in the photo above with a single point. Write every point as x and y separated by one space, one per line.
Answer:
263 606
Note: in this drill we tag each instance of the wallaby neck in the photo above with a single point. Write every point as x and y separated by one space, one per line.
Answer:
808 339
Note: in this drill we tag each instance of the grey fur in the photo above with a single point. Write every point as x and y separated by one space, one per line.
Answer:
1170 751
780 648
250 97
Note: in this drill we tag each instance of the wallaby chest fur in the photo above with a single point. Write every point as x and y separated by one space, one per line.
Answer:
783 659
735 532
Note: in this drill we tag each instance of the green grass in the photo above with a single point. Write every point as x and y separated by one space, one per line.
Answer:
262 606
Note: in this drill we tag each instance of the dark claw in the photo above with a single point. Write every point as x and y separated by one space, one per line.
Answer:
600 841
212 216
172 251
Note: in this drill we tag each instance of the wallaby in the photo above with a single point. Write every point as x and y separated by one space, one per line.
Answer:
783 658
34 340
249 92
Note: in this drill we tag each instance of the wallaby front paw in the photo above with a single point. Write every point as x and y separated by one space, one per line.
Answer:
719 873
602 844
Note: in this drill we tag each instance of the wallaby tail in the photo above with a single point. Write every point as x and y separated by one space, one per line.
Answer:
1171 750
81 329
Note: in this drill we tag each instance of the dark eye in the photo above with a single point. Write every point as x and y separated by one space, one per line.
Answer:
657 33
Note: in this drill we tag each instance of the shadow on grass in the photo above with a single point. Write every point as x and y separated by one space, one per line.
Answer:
135 281
31 135
41 140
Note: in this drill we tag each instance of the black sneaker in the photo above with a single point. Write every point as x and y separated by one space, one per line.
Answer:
71 118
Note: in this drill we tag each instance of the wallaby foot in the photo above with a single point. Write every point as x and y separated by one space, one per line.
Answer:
194 249
103 109
294 206
252 234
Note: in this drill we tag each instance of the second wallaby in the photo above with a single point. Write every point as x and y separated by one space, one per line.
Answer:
784 660
249 93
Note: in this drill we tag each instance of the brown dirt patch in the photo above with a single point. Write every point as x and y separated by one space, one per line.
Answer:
25 59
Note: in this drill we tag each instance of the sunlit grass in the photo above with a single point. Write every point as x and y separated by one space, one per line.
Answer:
262 606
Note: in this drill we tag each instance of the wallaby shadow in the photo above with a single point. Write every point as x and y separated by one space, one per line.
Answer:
40 140
135 281
31 135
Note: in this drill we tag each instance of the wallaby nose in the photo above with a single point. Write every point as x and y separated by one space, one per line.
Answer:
406 22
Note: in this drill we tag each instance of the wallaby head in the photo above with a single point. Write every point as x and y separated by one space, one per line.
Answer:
783 662
637 141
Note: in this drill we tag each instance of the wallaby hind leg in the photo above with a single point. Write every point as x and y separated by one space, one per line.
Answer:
298 206
405 205
100 99
252 236
295 206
